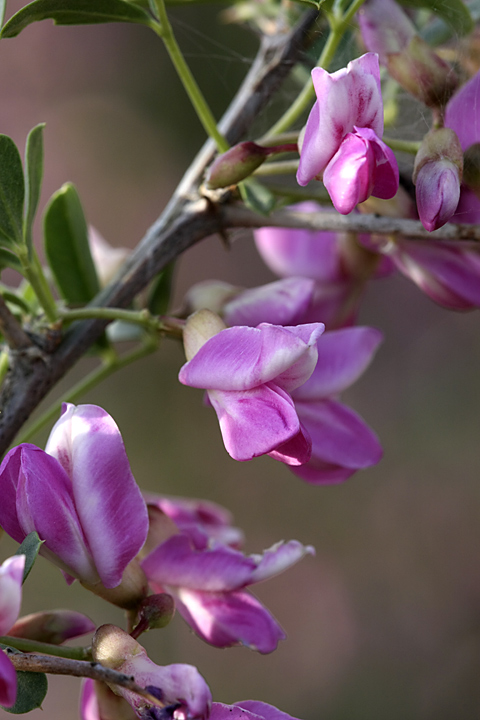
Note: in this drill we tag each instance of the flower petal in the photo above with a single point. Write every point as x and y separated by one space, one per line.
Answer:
296 451
265 711
176 563
226 619
278 558
462 115
349 176
45 504
8 681
339 436
256 421
343 355
280 303
242 358
113 514
11 577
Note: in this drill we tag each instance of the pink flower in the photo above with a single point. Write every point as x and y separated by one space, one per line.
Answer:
342 136
208 586
79 495
249 374
11 577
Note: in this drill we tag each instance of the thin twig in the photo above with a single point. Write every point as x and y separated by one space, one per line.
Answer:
79 668
240 216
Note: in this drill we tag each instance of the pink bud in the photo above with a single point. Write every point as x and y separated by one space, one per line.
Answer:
235 165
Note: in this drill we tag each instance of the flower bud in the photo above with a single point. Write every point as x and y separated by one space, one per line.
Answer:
200 327
387 31
235 165
155 612
55 626
437 175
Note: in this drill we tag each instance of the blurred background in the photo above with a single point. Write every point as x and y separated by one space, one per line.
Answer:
385 622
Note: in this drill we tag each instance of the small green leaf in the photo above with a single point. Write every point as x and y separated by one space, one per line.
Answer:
75 12
12 192
29 547
33 177
67 248
256 196
159 298
31 689
9 259
454 13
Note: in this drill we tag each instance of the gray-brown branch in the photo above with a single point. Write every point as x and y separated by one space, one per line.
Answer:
30 662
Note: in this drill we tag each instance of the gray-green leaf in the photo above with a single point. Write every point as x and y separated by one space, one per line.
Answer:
75 12
29 547
12 192
33 178
67 248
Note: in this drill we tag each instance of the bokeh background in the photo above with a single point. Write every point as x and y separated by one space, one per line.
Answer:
384 623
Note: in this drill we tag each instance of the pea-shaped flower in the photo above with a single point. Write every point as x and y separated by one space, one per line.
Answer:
249 374
342 138
81 498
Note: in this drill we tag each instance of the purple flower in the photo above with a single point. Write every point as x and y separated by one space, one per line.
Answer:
341 441
181 691
11 577
202 521
438 192
342 136
79 495
209 589
249 374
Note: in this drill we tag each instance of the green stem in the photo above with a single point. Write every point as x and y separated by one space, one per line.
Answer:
283 167
33 271
141 317
409 146
89 382
4 365
338 25
25 645
164 30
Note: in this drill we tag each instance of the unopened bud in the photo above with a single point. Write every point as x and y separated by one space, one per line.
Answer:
111 646
155 612
55 626
235 165
200 327
437 175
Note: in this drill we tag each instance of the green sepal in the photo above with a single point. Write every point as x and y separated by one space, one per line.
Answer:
29 547
67 248
75 12
12 192
33 179
454 12
31 689
256 196
161 290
